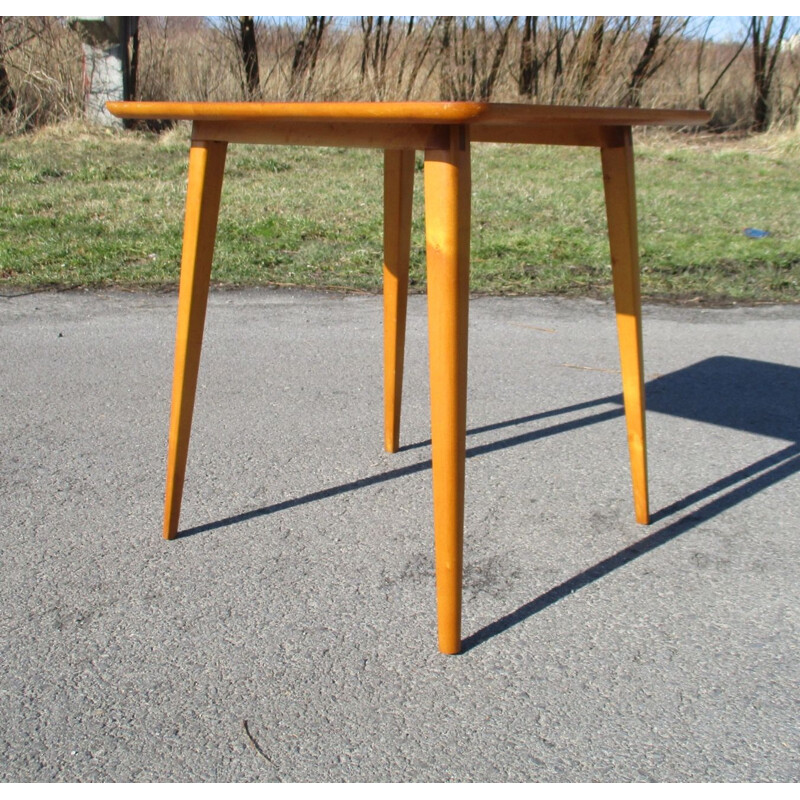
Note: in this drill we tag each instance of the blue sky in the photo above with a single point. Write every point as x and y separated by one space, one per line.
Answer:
722 28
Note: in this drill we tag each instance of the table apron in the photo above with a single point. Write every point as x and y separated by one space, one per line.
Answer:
399 136
570 135
384 136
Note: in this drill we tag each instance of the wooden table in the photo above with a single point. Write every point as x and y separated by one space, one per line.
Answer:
444 131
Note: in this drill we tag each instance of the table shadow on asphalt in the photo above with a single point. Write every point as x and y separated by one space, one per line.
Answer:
744 394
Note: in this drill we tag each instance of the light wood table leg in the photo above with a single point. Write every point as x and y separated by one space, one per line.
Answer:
206 166
398 188
620 194
447 223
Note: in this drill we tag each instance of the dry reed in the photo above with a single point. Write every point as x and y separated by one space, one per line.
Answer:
189 58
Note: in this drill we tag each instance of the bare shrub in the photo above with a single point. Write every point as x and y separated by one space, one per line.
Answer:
596 60
184 58
42 60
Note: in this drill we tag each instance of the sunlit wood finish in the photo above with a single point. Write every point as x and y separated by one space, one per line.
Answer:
398 190
447 217
401 125
378 135
444 131
473 114
206 166
618 183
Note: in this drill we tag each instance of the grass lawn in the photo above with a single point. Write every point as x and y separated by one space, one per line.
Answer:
86 207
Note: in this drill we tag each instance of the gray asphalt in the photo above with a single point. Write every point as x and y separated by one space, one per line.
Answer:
289 634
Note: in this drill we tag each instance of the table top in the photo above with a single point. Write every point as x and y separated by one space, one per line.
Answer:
474 114
405 125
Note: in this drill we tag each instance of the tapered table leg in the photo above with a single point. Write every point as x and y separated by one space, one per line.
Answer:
447 221
618 180
398 188
206 166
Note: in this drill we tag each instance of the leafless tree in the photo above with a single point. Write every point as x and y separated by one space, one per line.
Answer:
247 38
503 32
703 96
420 54
528 70
558 27
591 58
766 49
8 97
470 56
306 53
664 34
376 35
242 33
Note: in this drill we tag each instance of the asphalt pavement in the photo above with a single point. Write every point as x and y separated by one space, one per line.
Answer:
289 633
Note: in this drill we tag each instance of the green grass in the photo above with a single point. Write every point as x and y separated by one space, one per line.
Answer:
80 207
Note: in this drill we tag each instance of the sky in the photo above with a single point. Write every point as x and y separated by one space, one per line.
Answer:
722 28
